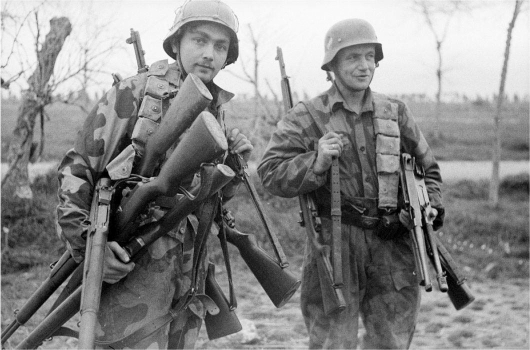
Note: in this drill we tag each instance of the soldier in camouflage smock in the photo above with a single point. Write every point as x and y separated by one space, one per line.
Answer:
203 40
367 131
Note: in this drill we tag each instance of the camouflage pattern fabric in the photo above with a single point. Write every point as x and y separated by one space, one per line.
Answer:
380 285
162 274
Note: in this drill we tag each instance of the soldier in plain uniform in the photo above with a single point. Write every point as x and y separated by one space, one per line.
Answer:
368 132
203 40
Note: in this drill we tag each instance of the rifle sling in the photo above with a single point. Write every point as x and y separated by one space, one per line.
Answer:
335 206
226 257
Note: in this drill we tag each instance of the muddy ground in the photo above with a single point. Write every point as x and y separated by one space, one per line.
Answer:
498 318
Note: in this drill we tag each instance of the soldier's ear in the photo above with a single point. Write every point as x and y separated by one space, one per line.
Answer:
174 46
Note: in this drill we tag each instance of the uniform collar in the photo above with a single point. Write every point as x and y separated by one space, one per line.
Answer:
220 96
336 101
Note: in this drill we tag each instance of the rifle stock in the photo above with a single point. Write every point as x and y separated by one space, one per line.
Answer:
225 322
279 284
69 301
203 142
458 291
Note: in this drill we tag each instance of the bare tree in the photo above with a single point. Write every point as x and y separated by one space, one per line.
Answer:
496 154
33 101
438 16
83 66
262 109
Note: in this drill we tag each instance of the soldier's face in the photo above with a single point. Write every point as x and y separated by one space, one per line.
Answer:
354 66
204 49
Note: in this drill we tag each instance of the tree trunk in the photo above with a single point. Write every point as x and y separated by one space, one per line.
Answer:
438 109
16 180
496 154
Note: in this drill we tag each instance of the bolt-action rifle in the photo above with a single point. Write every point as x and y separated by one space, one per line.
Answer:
425 243
329 274
139 52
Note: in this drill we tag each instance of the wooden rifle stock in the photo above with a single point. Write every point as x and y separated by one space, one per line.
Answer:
458 291
69 302
239 165
279 284
225 322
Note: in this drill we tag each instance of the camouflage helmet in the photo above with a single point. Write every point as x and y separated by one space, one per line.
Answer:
205 10
346 33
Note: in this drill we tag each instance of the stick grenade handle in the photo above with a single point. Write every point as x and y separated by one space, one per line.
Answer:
94 262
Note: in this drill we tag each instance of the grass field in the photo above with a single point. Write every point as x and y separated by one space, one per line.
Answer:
467 129
490 244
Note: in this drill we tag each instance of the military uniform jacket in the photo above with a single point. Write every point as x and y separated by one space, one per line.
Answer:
107 131
286 168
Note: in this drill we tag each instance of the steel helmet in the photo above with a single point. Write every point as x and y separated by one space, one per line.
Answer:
346 33
205 10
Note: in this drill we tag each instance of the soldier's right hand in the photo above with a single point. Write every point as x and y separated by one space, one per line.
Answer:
329 146
117 263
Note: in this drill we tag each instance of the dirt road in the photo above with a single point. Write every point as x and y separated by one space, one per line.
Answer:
498 318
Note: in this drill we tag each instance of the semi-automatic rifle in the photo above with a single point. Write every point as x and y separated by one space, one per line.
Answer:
329 270
425 242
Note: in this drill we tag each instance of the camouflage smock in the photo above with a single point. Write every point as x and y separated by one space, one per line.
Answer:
161 276
380 285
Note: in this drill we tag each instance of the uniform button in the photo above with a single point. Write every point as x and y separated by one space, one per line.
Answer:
160 86
154 108
149 131
160 66
367 179
362 148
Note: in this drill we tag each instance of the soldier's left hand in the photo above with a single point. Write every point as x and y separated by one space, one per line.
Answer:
239 144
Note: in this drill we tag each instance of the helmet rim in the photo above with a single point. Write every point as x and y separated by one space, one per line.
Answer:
346 33
182 19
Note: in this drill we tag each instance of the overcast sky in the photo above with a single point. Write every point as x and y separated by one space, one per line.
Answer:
473 52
